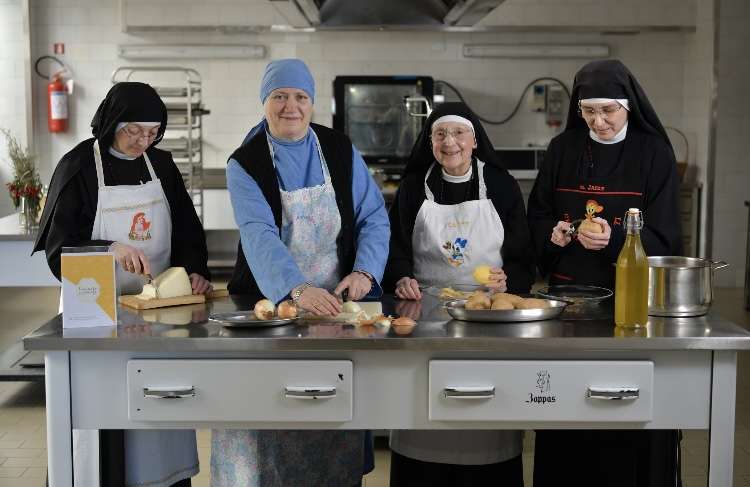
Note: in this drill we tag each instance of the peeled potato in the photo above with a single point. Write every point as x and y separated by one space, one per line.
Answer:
482 274
478 300
532 303
512 298
590 226
501 304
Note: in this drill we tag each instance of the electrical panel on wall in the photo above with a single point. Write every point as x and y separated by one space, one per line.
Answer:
538 98
555 109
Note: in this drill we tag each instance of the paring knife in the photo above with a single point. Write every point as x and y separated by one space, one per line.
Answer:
573 230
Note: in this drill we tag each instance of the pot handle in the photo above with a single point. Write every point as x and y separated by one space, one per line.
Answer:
718 265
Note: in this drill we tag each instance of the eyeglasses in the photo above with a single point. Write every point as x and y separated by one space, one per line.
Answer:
135 132
441 135
590 113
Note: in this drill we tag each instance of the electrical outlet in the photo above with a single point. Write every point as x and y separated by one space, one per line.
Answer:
538 98
555 106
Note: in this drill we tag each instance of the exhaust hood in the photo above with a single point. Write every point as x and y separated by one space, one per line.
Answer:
384 14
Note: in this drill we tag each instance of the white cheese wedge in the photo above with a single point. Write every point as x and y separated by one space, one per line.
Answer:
171 283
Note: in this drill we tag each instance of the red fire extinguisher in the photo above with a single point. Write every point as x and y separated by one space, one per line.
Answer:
57 105
57 95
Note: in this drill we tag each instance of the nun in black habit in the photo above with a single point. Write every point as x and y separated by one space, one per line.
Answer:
614 154
116 189
457 208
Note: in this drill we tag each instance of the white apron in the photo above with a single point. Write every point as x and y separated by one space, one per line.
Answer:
449 241
309 227
139 216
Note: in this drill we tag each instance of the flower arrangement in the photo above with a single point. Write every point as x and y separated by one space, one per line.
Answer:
26 187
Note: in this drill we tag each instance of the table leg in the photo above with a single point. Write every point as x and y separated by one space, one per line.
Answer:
721 434
59 432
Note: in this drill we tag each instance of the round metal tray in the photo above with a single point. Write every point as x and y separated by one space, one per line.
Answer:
247 319
575 293
456 309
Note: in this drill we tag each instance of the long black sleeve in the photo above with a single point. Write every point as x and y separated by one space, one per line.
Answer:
402 215
541 212
71 223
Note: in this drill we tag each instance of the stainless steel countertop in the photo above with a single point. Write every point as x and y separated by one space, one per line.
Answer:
10 229
146 331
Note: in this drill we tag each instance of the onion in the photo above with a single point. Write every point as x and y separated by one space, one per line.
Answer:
384 321
403 321
351 307
287 309
264 309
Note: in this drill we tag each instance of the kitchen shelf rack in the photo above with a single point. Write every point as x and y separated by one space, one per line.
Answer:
181 90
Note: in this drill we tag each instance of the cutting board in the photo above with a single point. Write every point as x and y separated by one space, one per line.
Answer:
138 303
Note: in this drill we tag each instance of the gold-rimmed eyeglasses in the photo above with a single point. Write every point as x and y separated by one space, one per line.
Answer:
136 132
605 112
460 133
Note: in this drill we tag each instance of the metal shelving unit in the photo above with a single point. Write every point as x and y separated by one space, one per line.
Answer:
180 88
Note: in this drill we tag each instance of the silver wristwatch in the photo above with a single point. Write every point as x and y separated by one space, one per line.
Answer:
297 291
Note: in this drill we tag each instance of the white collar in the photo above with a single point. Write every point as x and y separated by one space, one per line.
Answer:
120 155
457 179
619 137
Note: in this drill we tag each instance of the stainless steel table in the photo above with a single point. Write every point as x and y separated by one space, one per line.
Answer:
676 373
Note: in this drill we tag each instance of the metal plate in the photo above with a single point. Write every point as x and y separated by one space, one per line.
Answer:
456 309
247 319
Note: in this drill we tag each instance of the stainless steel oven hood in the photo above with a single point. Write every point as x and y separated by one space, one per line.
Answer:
384 14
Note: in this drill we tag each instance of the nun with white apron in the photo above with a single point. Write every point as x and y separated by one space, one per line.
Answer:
140 209
312 224
457 209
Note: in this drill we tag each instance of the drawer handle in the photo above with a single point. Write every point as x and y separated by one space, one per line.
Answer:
461 392
613 393
309 392
179 392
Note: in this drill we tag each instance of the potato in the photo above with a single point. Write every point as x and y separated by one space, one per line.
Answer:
532 303
590 226
512 298
478 300
501 304
481 274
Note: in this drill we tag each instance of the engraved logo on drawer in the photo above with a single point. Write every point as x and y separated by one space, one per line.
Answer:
544 394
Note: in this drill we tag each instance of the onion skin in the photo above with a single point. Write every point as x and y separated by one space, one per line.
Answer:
264 309
287 309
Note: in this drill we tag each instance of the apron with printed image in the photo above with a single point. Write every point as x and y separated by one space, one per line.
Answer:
309 226
139 216
449 241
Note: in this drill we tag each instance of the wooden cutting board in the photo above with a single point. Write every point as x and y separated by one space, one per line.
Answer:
138 303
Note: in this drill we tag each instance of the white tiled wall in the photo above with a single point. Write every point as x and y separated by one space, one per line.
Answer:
12 89
90 29
732 155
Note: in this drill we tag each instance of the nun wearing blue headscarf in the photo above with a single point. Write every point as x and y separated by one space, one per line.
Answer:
312 225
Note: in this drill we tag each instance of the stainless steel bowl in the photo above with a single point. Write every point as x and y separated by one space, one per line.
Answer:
456 308
680 286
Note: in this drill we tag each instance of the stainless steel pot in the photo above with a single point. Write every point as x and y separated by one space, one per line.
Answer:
680 286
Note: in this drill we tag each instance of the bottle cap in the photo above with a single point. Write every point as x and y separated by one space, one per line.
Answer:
633 210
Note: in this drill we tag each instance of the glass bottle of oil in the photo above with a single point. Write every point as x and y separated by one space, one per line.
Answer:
631 278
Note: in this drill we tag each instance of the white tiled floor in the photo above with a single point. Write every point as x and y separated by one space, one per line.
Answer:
23 456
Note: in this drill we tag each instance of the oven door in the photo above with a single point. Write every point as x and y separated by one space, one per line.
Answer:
372 111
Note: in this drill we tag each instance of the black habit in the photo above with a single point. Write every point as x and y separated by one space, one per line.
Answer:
640 172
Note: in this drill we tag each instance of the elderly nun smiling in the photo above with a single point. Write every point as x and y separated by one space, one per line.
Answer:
312 224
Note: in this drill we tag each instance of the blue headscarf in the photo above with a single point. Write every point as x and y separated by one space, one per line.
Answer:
287 73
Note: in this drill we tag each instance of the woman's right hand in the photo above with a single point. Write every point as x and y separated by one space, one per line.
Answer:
560 234
319 302
408 288
130 258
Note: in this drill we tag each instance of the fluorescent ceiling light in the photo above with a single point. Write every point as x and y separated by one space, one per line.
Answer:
215 51
520 51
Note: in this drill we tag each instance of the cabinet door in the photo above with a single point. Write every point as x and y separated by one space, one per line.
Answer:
239 390
555 391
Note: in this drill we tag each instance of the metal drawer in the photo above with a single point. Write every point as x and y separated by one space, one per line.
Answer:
555 391
239 390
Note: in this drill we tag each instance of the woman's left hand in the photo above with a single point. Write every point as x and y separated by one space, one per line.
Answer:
498 280
595 241
200 284
358 285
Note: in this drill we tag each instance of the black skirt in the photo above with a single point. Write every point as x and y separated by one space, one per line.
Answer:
408 472
615 458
